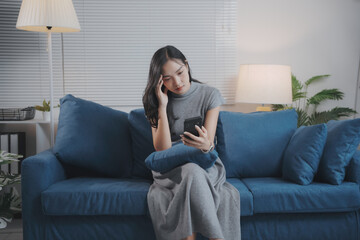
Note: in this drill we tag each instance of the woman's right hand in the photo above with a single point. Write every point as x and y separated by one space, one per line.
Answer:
162 95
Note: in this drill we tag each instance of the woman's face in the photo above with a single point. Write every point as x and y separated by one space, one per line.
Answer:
176 76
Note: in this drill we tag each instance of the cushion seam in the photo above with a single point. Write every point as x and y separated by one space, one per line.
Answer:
349 209
253 197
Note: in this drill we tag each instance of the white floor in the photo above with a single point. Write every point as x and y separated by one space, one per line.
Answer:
13 231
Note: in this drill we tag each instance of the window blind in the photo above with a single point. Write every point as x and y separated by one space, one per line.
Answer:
108 60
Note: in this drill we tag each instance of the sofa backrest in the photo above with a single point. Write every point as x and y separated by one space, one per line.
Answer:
252 144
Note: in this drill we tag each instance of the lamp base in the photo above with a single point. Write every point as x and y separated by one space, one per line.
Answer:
263 109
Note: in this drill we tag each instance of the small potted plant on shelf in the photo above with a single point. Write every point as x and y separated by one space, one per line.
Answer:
10 201
45 109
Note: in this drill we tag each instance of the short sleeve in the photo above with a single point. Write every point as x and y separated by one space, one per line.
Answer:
215 99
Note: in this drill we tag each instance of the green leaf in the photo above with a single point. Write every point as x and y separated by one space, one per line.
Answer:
302 117
277 107
326 94
298 95
343 112
296 89
316 78
285 107
39 108
321 117
333 114
45 106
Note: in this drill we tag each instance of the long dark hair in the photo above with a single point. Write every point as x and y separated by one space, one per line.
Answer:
158 60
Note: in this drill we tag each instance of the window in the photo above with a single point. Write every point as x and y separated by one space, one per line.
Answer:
108 60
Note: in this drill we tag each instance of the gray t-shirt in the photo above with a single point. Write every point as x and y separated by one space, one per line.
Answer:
196 102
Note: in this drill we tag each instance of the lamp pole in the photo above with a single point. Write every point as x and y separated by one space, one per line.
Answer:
48 16
51 89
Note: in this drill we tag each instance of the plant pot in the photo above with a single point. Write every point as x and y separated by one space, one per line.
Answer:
46 116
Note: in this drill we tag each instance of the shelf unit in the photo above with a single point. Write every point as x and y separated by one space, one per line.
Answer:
42 132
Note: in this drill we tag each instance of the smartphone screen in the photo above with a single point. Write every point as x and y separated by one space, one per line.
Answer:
189 125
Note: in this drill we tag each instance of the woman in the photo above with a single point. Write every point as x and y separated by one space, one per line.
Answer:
188 199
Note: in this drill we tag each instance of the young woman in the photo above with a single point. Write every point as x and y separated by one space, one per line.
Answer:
188 199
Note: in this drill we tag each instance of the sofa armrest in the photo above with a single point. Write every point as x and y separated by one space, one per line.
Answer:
37 174
353 170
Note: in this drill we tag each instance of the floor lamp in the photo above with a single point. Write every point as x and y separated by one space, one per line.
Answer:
264 84
48 16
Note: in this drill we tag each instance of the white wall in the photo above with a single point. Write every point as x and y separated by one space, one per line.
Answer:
314 37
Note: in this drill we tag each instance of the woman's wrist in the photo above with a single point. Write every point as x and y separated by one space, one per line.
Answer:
162 108
162 111
209 149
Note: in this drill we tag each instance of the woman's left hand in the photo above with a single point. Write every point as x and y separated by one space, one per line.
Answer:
202 142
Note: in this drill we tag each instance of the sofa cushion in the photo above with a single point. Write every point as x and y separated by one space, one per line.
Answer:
94 137
342 140
246 198
353 170
177 155
106 196
252 144
302 155
142 143
96 196
275 195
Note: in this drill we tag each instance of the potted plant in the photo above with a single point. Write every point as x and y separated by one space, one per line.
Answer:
306 107
45 109
10 201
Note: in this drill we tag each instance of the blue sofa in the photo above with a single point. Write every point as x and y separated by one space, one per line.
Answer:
93 184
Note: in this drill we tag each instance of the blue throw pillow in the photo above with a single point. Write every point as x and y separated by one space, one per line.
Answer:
353 170
177 155
342 141
142 143
302 155
94 137
252 144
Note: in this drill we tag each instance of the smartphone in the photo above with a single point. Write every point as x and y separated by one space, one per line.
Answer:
189 125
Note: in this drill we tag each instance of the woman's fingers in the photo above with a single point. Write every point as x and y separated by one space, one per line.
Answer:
159 83
191 136
204 130
190 142
161 95
195 141
201 131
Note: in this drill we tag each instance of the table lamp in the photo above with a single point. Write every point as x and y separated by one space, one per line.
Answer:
48 16
264 84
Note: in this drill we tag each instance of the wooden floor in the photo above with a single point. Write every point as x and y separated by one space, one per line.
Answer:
13 231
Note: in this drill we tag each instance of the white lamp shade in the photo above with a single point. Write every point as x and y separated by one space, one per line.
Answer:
264 84
37 15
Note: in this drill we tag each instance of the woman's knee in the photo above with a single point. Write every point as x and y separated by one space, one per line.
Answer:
192 169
